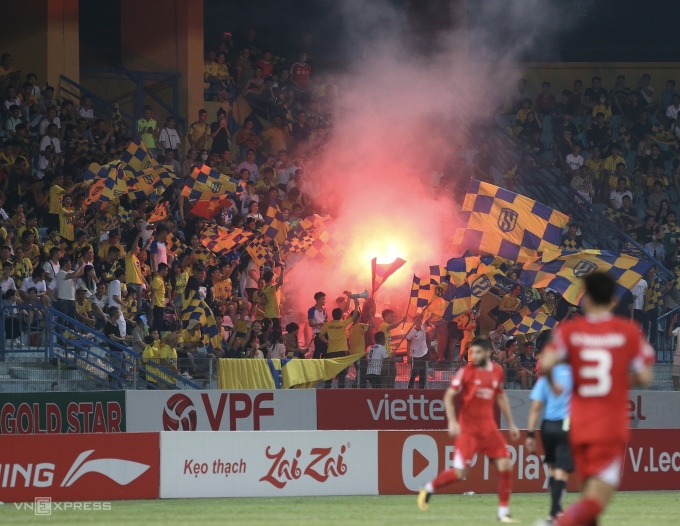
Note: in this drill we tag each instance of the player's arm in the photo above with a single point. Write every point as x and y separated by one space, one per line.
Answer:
534 414
504 406
449 397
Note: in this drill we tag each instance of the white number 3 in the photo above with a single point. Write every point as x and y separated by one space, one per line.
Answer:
600 371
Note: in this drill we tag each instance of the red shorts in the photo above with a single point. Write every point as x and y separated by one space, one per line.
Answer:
491 444
602 460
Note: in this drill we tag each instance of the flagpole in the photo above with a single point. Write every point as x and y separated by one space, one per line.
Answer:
408 305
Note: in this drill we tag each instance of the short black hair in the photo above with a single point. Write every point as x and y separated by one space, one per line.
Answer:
379 338
319 295
484 343
600 288
337 314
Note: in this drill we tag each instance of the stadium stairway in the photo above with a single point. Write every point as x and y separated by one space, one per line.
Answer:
69 356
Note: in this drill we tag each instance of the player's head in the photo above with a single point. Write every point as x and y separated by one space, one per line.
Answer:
337 314
481 351
379 338
599 289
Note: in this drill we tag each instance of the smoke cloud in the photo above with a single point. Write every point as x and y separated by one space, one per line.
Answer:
402 119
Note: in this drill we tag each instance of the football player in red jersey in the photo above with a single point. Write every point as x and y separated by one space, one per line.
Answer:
479 384
606 353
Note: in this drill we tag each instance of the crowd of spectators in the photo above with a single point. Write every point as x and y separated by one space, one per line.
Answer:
112 270
618 149
106 265
609 143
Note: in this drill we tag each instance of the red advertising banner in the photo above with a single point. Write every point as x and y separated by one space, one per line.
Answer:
382 409
80 467
353 409
406 460
652 460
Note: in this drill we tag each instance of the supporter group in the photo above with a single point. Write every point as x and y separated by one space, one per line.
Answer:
136 266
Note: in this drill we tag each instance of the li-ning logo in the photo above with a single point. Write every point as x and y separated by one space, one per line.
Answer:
480 286
120 471
507 220
42 475
320 467
583 268
179 414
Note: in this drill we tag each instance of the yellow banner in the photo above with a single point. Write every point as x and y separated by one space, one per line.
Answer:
252 373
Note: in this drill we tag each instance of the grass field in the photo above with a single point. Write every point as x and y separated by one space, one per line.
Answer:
628 509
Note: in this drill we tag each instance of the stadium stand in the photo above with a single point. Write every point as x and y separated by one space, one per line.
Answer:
112 266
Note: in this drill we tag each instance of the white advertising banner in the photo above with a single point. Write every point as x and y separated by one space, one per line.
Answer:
646 409
220 410
279 463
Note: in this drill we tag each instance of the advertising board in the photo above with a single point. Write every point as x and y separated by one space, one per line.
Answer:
646 409
407 460
79 467
277 463
218 410
77 412
380 409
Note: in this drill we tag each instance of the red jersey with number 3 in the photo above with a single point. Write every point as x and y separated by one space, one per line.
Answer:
602 351
477 387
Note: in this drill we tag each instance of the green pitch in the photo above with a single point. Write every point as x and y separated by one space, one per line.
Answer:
628 509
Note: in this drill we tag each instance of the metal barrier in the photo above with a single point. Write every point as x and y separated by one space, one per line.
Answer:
109 363
438 375
24 331
144 84
665 341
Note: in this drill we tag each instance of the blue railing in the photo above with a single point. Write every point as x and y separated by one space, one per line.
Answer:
24 329
102 106
142 89
104 360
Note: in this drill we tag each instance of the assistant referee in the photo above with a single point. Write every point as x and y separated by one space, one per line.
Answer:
554 431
